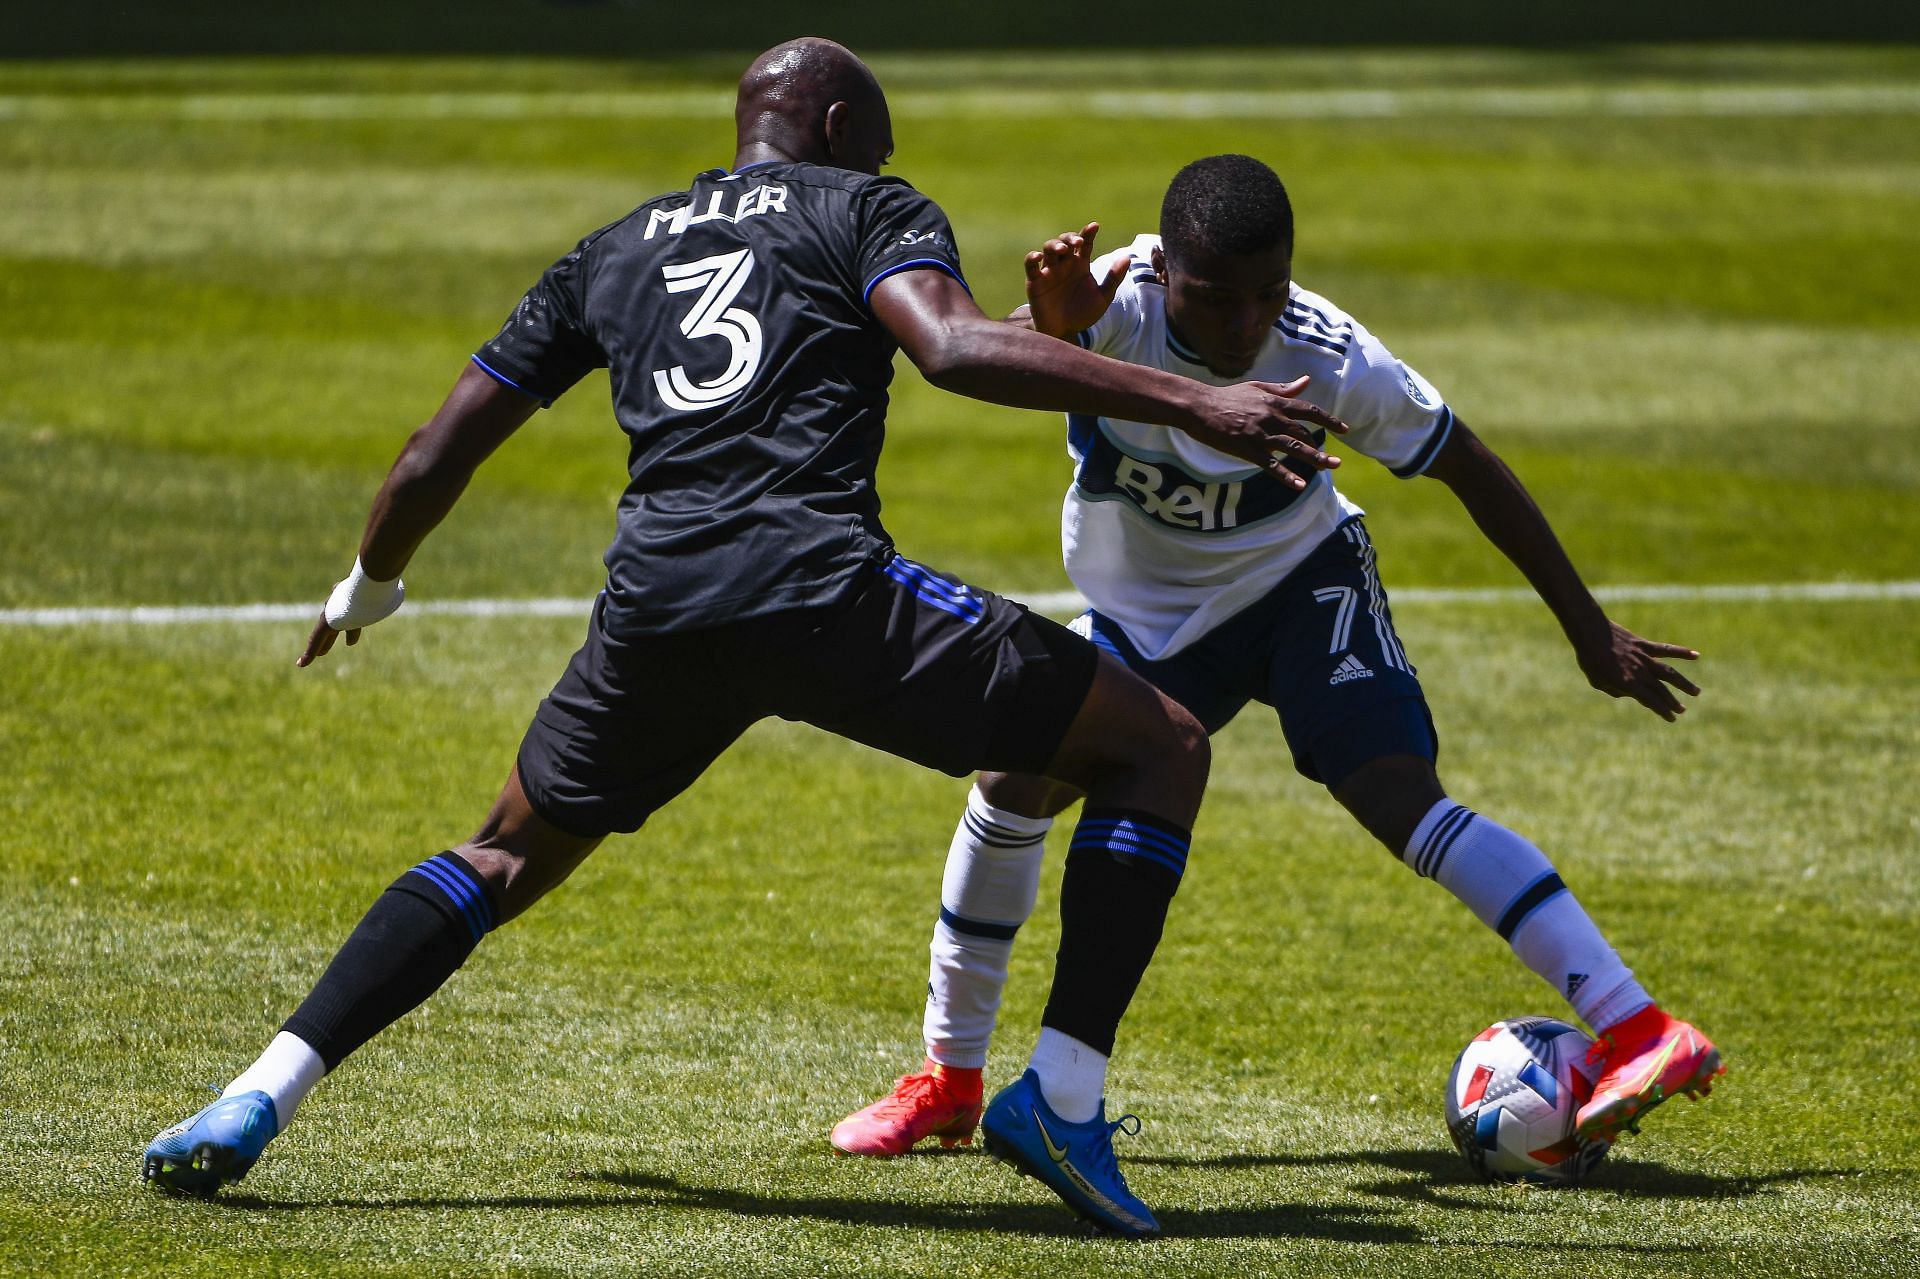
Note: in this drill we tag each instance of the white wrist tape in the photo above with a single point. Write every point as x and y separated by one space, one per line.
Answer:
360 601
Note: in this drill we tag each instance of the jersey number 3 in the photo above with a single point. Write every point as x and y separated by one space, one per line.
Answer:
719 280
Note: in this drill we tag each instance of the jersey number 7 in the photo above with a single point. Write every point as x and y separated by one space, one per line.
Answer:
719 279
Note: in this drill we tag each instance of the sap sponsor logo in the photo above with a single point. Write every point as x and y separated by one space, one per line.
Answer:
936 238
1418 392
752 202
1196 506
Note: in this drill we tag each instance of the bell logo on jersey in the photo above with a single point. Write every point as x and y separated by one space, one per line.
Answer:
1165 491
1206 507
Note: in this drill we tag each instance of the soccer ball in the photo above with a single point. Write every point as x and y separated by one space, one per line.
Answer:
1512 1098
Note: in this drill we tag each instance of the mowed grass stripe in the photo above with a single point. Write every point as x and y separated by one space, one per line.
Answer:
1043 601
702 104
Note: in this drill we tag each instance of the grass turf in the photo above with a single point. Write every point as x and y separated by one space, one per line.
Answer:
215 333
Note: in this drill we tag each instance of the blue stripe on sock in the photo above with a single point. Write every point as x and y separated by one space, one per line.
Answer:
1124 842
1133 837
978 927
443 879
1179 868
489 918
1531 898
1109 831
465 897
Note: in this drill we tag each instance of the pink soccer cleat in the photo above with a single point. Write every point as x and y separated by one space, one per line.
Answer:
939 1101
1646 1058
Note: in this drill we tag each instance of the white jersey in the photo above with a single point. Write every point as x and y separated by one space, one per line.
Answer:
1170 538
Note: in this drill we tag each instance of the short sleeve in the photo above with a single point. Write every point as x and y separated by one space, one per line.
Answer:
544 348
1113 333
1397 416
899 230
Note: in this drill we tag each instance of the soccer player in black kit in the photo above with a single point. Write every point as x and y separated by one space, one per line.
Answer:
749 326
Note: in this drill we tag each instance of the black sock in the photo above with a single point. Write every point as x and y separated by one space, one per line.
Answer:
1123 868
406 946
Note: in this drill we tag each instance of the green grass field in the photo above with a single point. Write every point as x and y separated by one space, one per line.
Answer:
1678 289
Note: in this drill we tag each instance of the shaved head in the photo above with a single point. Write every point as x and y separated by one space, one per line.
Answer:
812 100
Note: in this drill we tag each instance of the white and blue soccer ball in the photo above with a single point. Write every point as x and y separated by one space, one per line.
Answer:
1512 1098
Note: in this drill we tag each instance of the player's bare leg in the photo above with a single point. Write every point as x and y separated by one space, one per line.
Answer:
1647 1055
411 940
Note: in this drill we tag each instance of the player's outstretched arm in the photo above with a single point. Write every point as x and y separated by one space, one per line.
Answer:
957 348
426 480
1614 659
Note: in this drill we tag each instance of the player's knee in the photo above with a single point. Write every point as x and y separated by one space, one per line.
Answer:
1026 794
1179 749
1389 796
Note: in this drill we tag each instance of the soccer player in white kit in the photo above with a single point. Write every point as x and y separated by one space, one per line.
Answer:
1222 586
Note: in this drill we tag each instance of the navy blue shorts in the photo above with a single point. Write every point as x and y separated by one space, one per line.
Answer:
911 662
1319 648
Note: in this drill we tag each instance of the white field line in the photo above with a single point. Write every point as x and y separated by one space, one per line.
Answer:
1633 100
1055 602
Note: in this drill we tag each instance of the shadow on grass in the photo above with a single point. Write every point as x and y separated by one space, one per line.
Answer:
1438 1176
1430 1177
1336 1223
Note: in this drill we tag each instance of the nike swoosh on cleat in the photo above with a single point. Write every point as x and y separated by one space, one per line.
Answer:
1057 1153
1652 1072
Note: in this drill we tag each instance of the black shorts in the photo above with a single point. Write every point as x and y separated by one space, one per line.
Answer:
913 663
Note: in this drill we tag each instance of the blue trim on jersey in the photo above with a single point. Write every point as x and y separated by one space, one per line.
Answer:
1182 350
1531 898
1313 339
1431 449
503 379
867 293
1085 338
978 927
757 164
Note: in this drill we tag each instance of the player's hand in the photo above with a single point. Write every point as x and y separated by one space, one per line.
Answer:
1624 665
357 602
1062 295
320 643
1266 425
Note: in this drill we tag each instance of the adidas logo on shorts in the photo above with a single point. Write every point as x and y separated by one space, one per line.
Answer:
1350 667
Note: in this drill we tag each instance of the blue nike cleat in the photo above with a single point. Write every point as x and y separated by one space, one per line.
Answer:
216 1145
1075 1161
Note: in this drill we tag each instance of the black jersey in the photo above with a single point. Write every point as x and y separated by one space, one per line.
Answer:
749 375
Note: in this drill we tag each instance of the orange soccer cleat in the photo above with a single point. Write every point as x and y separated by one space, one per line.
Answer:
939 1101
1646 1059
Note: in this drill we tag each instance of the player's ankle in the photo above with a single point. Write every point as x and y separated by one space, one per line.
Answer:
961 1079
1644 1024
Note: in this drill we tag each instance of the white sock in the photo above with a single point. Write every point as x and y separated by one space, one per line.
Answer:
286 1072
992 878
1513 889
1073 1076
